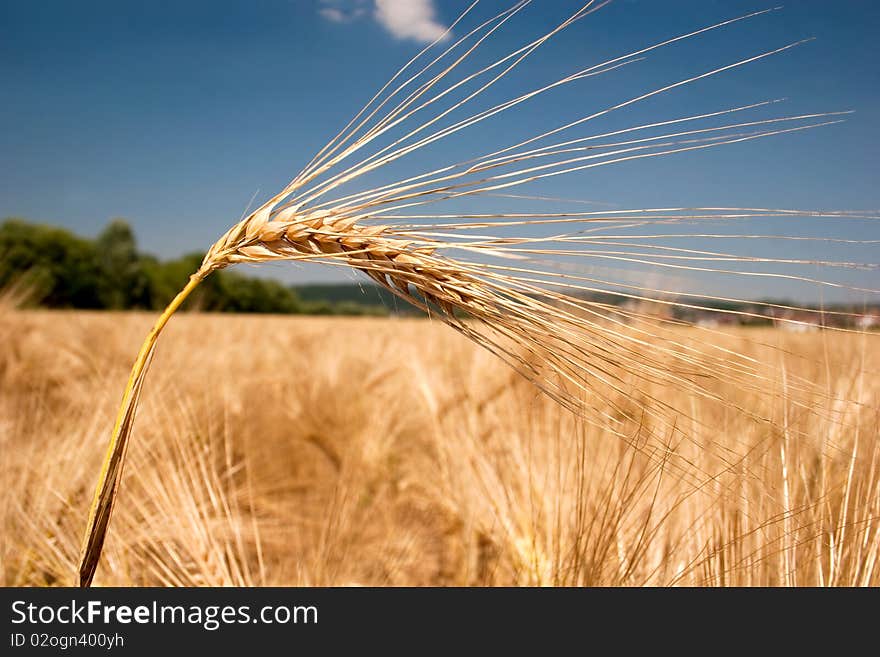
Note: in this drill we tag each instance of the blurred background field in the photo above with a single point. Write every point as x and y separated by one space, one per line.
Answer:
389 451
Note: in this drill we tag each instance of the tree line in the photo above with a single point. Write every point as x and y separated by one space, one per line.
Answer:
59 269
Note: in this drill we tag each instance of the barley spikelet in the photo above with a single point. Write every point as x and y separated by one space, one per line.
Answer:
513 293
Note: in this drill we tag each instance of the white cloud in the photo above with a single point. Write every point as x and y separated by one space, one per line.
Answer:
339 11
332 14
409 19
404 19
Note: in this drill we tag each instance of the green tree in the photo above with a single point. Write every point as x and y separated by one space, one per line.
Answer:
124 283
61 269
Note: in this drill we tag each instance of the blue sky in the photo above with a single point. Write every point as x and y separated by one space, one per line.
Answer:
174 115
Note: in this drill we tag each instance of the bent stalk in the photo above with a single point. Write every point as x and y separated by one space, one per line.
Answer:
111 470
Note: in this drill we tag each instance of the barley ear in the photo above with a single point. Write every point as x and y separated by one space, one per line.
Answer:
111 470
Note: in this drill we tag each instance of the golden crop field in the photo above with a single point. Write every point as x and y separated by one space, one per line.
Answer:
304 451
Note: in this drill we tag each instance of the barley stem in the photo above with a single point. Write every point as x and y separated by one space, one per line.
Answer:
114 460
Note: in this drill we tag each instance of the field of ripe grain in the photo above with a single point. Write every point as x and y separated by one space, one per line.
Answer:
305 451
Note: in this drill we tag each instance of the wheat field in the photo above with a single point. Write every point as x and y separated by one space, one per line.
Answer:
592 441
307 451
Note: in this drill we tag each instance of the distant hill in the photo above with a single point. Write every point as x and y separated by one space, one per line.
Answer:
62 270
364 294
